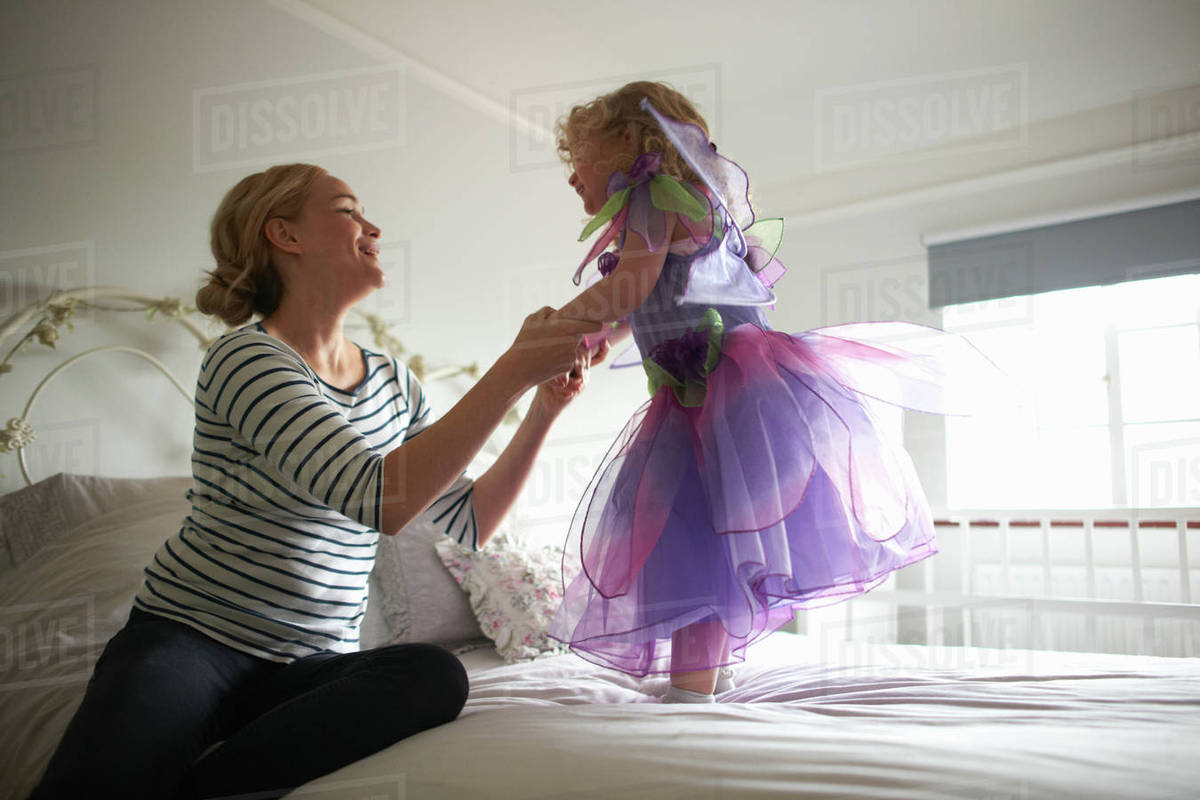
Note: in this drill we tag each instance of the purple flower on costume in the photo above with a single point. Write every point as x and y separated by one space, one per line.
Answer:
645 168
607 263
684 356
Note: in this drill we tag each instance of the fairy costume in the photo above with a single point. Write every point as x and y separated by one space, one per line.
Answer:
767 472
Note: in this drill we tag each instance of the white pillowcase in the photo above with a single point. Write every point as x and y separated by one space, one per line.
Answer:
416 600
514 592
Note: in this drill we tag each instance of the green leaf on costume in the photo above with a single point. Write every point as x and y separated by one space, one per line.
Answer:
669 194
656 377
607 212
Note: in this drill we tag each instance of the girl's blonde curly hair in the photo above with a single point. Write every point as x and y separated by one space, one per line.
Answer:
611 114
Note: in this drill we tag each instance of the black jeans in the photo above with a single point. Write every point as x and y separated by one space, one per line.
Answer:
163 693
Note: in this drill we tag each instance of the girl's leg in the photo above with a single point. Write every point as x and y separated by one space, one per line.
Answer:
324 711
155 701
694 649
699 681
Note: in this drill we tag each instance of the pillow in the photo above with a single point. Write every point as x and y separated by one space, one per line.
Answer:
410 591
417 600
37 514
407 572
374 631
59 608
514 592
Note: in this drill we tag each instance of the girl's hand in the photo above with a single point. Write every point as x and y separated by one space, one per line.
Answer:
599 353
593 355
557 393
602 343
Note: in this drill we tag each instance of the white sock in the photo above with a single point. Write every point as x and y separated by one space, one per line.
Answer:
724 680
677 695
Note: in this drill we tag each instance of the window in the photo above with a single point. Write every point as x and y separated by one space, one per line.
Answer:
1109 412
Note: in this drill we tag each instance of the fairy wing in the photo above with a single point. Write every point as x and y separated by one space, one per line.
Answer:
742 270
629 357
725 179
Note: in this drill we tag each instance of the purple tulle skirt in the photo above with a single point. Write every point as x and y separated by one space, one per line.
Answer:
705 527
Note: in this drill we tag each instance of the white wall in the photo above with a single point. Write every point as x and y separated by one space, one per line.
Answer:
110 169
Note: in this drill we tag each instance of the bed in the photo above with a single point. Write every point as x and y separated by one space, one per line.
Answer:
830 709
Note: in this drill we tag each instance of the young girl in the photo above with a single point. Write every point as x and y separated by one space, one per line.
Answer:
766 473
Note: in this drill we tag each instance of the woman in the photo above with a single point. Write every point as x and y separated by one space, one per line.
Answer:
238 670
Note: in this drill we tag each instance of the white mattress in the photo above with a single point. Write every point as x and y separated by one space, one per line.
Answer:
813 720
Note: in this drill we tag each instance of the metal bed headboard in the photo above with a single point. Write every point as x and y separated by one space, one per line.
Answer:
42 321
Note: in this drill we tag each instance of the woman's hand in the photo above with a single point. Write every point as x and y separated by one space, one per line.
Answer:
547 346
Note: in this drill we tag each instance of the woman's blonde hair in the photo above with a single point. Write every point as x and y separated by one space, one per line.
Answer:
611 114
245 282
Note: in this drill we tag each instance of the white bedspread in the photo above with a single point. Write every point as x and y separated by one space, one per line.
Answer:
809 718
806 720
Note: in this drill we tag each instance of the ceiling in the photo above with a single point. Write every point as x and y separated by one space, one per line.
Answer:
1025 107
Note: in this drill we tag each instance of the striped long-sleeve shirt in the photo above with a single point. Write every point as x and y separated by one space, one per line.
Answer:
286 499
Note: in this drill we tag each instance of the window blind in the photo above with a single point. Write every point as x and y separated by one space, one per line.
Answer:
1131 245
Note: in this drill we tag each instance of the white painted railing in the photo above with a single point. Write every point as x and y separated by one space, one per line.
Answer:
1118 581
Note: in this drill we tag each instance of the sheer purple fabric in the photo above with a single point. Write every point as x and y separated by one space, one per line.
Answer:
789 488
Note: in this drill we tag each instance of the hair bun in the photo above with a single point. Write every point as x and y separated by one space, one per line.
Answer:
245 282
